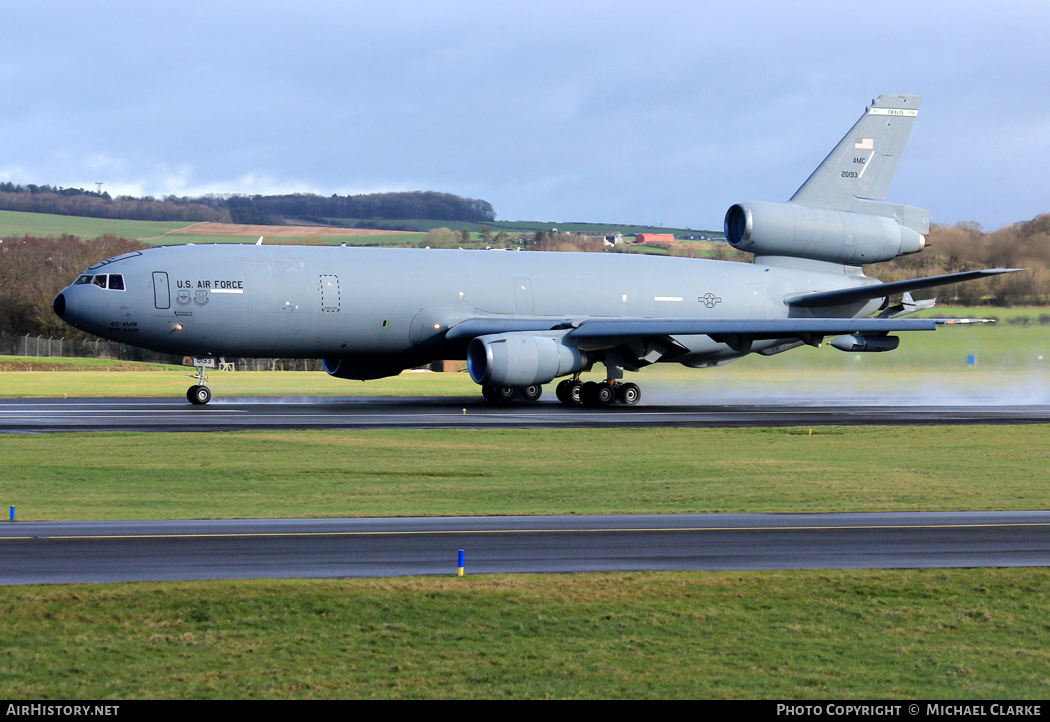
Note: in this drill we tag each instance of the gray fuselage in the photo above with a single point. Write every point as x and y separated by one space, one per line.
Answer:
321 302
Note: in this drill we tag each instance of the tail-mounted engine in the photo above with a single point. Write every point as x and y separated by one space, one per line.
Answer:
791 229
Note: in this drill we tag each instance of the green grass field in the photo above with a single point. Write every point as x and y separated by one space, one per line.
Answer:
515 227
16 223
110 475
853 635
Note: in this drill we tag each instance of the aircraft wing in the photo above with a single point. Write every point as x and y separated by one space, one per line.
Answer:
593 329
843 296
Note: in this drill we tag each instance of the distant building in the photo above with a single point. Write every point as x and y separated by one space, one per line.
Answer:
608 239
654 237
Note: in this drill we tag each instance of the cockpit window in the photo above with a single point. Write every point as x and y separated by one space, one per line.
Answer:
111 281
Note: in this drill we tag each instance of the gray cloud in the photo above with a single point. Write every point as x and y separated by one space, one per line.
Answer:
665 112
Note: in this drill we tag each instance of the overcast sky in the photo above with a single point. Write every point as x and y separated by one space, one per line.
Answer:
621 112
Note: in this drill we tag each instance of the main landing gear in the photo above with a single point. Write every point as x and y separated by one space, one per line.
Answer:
508 394
199 394
573 392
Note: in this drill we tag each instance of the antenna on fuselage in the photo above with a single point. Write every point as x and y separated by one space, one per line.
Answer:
259 242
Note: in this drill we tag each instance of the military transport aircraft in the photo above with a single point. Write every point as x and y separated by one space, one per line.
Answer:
523 319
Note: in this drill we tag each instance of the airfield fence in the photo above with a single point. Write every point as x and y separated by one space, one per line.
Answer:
51 347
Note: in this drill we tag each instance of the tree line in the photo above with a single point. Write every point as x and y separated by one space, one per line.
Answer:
32 272
251 209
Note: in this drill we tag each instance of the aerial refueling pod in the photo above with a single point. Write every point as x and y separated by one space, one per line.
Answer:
858 343
790 229
522 359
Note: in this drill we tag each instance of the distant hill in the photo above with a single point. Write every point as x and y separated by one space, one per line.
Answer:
250 209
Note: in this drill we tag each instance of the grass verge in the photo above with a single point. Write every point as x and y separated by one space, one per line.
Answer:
477 472
918 634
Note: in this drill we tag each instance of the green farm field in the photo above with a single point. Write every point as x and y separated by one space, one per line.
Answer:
16 223
529 226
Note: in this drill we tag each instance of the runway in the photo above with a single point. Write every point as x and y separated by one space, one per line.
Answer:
39 552
70 552
238 414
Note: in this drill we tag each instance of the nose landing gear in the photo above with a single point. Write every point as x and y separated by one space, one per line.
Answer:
199 394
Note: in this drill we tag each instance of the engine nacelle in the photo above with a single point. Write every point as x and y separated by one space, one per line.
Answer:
521 359
790 229
869 344
361 369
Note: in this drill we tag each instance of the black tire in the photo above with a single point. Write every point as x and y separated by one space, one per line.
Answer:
531 393
498 394
589 393
605 395
574 392
198 395
629 394
568 392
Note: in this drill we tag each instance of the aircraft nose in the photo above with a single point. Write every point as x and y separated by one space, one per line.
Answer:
59 305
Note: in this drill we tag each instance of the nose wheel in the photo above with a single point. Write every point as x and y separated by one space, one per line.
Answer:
199 394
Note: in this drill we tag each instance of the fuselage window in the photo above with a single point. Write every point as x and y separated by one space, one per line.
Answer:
100 280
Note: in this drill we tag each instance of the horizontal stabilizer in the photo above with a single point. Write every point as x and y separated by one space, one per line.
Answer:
845 296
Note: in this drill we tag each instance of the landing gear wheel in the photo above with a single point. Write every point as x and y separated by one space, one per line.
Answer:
629 394
589 393
595 394
606 394
568 392
531 393
198 395
498 394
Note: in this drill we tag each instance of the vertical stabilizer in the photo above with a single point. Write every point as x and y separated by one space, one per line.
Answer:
862 164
